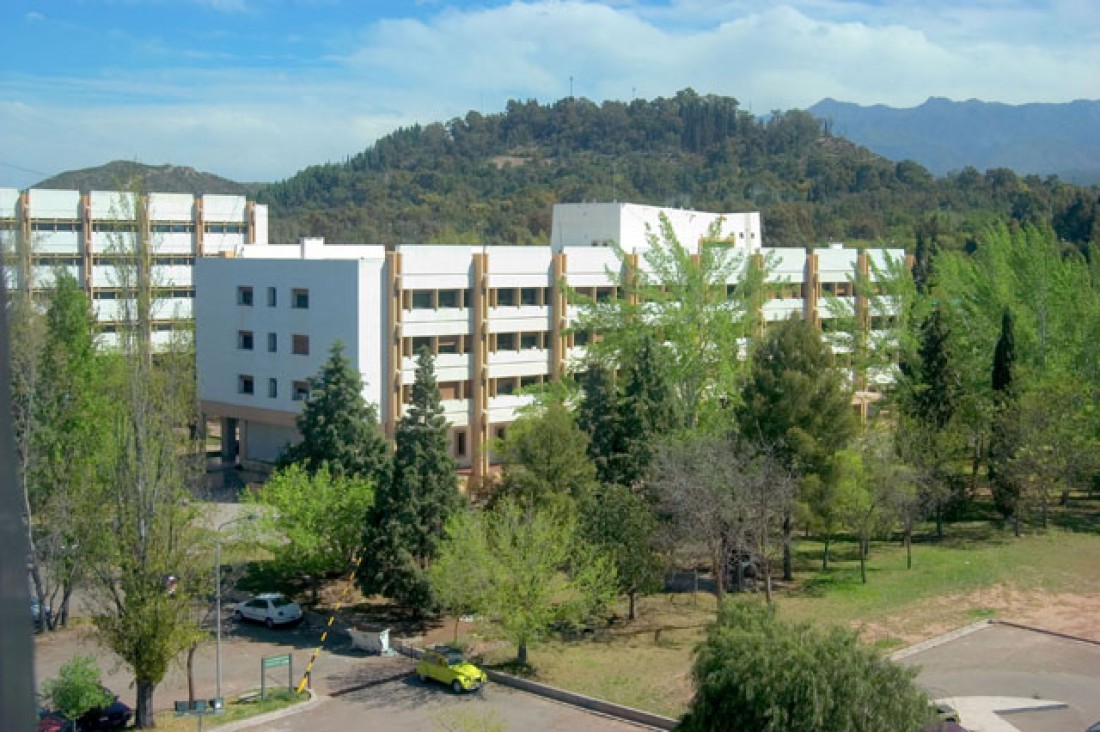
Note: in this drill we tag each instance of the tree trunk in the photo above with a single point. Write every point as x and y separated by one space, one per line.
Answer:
521 653
143 715
632 613
1016 524
767 567
458 616
66 598
788 567
939 523
908 548
862 566
825 556
191 672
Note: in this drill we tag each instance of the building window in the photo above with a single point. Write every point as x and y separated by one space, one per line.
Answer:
529 296
530 341
501 432
605 294
448 344
245 384
449 298
450 390
244 340
422 300
272 342
273 388
460 443
272 297
506 297
529 381
244 296
580 338
300 345
299 391
299 299
505 387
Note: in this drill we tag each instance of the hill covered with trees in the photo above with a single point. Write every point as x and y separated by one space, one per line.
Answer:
161 178
494 178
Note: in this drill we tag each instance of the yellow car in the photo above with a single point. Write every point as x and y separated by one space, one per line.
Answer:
447 665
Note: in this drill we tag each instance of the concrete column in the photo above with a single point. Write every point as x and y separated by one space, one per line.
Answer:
811 289
479 369
391 408
558 305
229 440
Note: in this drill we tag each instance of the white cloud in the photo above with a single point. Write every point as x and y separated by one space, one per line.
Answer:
33 16
265 124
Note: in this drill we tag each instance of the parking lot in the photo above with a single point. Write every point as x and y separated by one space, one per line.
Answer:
1004 661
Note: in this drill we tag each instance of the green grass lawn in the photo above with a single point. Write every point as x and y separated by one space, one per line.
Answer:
977 571
235 711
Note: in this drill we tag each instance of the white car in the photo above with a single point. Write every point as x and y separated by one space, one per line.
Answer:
270 608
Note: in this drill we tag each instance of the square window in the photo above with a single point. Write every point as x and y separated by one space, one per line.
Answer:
530 341
244 296
300 345
448 298
273 388
300 391
422 300
245 384
506 342
506 387
299 299
419 342
605 294
272 297
272 342
526 381
449 343
580 338
244 340
506 297
529 296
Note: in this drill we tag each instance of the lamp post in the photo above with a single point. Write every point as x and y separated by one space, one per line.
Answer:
218 600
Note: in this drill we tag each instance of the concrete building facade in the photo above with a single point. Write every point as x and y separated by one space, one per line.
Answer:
497 318
89 234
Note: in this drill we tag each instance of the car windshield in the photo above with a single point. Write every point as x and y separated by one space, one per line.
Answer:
454 657
280 602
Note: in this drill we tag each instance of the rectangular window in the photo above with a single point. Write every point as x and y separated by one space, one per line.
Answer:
422 300
244 296
506 341
245 384
449 298
467 298
526 381
300 345
273 388
299 299
605 294
506 387
530 341
449 390
419 342
460 443
580 338
272 297
529 296
300 391
272 342
506 297
449 343
244 340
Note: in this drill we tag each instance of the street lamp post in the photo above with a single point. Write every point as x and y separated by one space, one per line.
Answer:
218 601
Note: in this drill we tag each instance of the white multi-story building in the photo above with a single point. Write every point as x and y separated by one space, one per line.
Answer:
495 317
89 234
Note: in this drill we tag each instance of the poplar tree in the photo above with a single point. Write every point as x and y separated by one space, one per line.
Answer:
412 506
1003 441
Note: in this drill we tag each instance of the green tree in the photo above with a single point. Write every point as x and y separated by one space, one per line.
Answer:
622 524
598 416
312 524
755 671
1004 439
526 568
338 427
798 401
647 410
142 486
410 513
545 459
77 689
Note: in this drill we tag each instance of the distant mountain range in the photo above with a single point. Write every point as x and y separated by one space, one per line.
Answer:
945 136
161 178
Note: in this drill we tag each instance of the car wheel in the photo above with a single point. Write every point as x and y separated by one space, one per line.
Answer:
237 616
423 678
269 622
456 686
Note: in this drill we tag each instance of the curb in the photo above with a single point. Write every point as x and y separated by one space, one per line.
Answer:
1044 631
314 700
940 639
587 703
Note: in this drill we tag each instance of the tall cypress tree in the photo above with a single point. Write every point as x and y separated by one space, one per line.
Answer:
1002 438
411 509
646 411
338 427
597 415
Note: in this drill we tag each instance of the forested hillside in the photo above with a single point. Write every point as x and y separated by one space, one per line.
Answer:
494 178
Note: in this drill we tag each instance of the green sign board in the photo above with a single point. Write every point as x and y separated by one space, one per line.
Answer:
276 661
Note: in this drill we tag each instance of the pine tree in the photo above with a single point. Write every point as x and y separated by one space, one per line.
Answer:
338 427
598 417
412 507
646 411
1002 439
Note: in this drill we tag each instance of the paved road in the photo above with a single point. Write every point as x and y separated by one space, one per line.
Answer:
1009 662
406 705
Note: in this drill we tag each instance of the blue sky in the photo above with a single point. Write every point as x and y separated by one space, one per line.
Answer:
258 89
